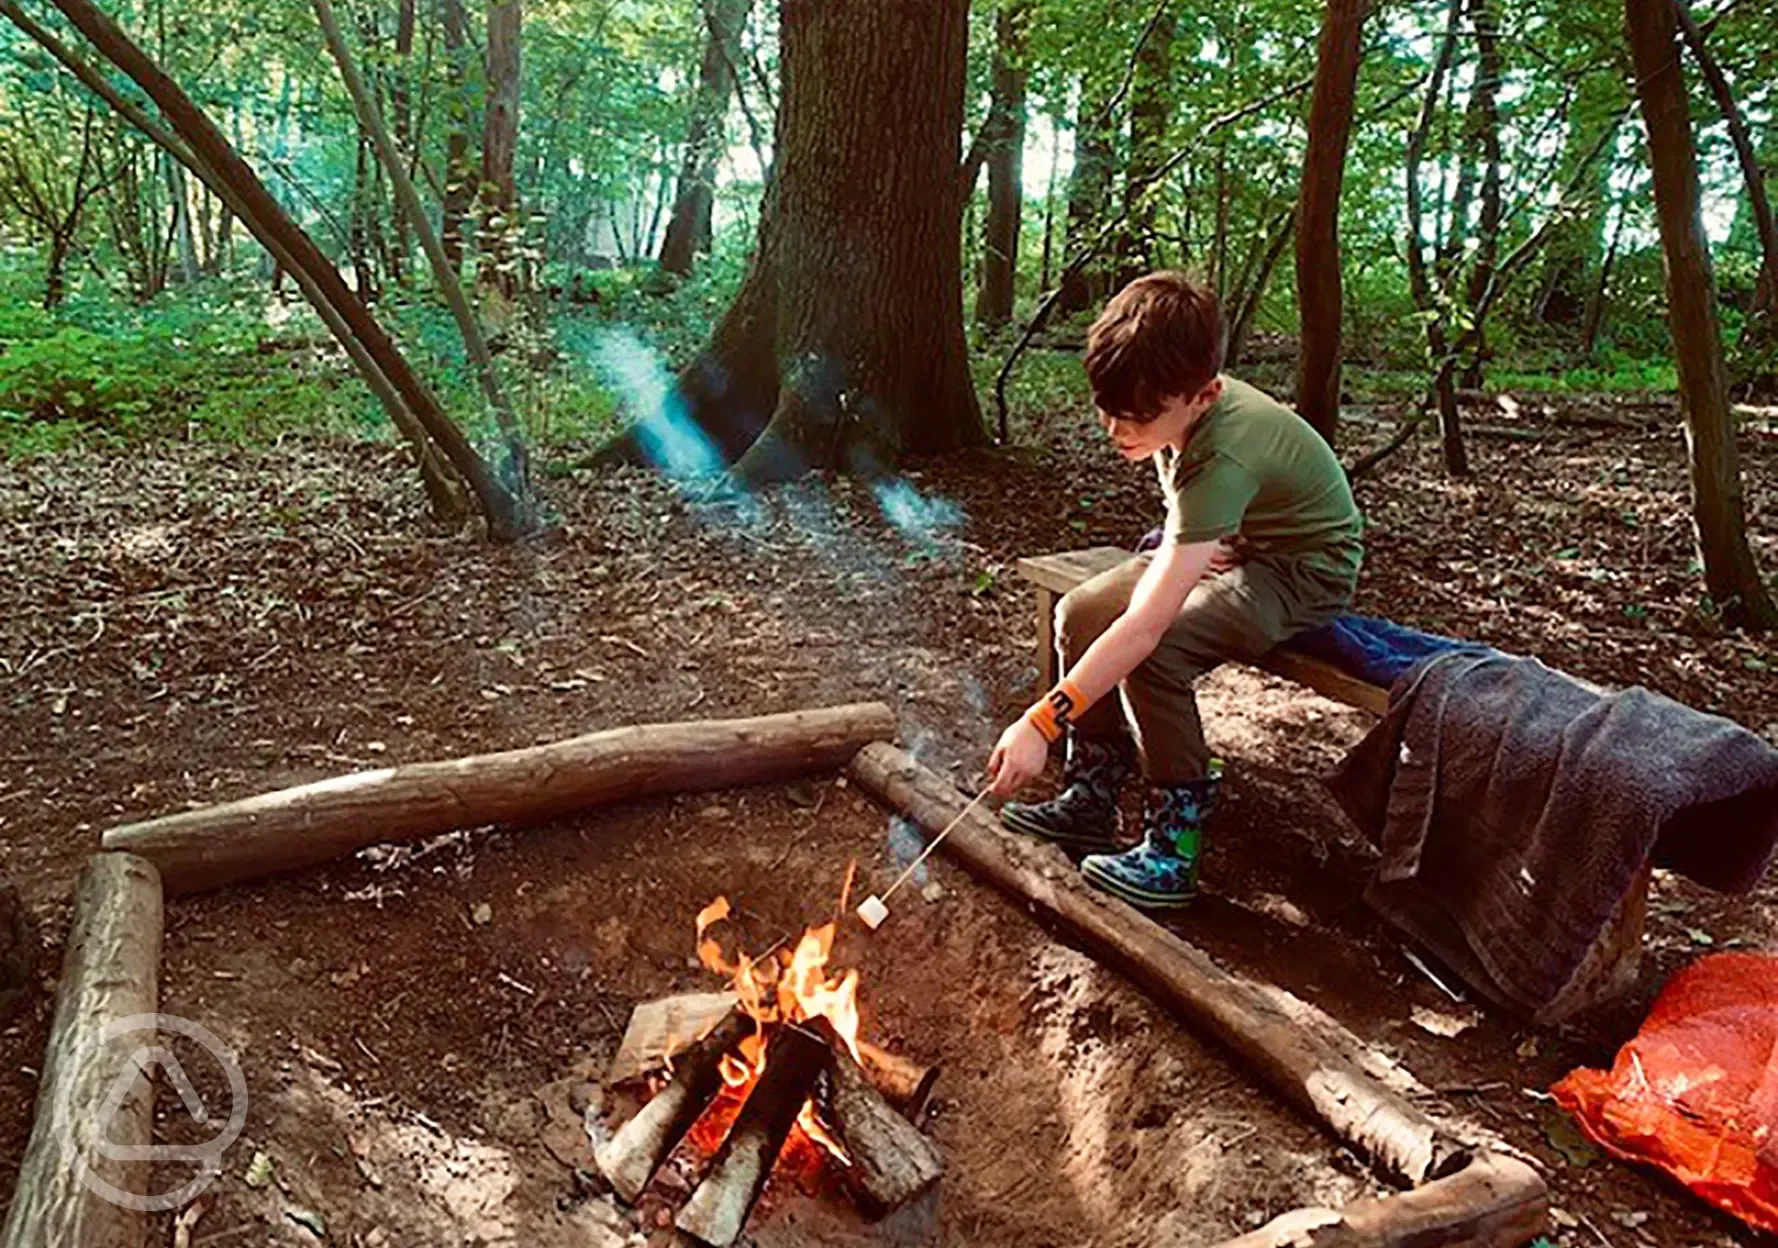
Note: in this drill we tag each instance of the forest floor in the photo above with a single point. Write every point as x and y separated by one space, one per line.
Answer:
197 623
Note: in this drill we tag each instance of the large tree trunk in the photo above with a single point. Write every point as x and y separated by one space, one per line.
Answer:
507 517
1729 569
459 176
863 206
1151 115
1319 295
1006 164
500 139
688 230
1089 194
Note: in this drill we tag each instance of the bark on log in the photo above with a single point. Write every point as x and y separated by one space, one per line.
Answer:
630 1158
1493 1202
892 1161
108 974
312 823
904 1083
1307 1068
718 1209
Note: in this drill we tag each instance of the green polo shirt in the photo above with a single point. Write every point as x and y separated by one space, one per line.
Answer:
1253 467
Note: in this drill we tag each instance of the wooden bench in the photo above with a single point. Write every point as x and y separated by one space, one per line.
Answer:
1611 966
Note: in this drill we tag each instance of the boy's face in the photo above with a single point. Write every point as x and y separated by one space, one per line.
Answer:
1138 439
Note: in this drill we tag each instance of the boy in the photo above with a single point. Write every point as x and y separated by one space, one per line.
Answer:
1261 542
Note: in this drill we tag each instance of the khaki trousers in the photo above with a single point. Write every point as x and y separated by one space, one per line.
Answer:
1239 614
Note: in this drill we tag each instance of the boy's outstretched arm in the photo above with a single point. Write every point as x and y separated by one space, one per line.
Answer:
1154 605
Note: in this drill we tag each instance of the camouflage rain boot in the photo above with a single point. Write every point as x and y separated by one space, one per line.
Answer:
1162 872
1084 814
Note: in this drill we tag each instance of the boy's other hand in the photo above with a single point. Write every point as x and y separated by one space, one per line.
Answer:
1018 759
1230 554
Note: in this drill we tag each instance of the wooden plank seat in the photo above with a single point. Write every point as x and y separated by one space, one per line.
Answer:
1611 966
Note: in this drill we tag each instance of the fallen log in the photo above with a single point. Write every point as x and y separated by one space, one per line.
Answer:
1493 1202
629 1159
1307 1069
313 823
108 974
719 1207
892 1162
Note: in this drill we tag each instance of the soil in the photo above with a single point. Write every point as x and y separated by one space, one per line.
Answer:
198 623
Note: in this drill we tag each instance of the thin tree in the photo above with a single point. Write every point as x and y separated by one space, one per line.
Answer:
507 517
440 479
458 195
1006 162
1730 572
1762 324
688 229
500 228
1318 284
407 200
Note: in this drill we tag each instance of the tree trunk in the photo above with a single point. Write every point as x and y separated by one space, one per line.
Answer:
1089 194
402 116
507 517
688 230
1252 292
55 272
1151 115
1485 108
1596 303
500 230
187 249
460 185
407 201
1730 572
863 200
1319 293
1426 298
1006 164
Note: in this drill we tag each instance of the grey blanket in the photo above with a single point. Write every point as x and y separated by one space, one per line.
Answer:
1515 807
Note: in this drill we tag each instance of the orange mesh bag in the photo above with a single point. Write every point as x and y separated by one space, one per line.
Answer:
1696 1092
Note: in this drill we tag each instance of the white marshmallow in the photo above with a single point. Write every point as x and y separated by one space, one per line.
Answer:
872 911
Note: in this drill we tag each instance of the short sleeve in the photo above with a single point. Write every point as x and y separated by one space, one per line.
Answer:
1208 499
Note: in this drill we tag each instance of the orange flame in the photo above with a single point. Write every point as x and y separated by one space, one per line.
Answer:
786 987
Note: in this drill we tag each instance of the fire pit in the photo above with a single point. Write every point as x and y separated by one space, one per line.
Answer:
784 1061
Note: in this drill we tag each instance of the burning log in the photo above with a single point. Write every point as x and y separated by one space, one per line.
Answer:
109 974
1305 1066
904 1083
629 1159
891 1161
314 823
718 1209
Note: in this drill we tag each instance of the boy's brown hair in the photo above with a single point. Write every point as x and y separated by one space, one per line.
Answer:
1160 336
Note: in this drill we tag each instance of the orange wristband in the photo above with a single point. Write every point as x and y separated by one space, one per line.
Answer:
1059 707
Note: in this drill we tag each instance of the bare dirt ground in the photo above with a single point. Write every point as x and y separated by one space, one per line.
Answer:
193 624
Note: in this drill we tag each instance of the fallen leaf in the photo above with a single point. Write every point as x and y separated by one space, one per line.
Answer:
1527 1048
307 1219
1440 1023
259 1171
1566 1139
482 913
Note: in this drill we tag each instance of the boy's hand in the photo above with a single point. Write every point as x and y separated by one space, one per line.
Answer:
1230 554
1018 759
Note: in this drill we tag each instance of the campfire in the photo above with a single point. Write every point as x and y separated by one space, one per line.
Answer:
776 1060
